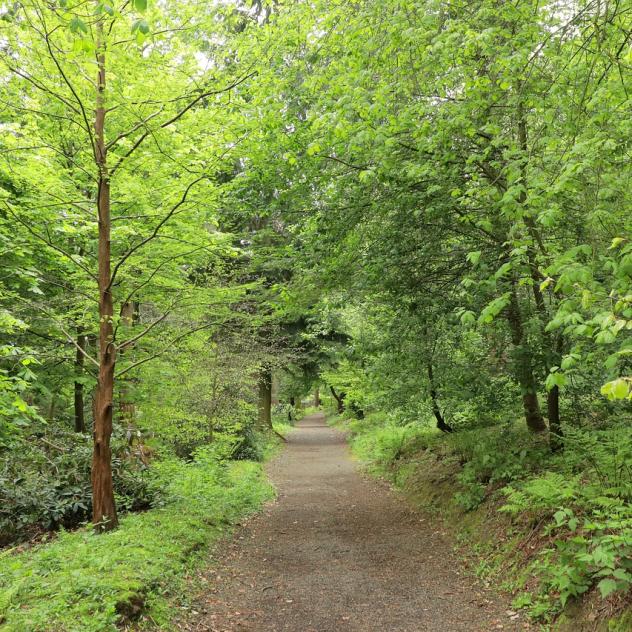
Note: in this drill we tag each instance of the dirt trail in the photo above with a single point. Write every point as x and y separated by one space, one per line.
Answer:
337 552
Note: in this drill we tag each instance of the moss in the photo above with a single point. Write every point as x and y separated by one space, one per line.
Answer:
621 623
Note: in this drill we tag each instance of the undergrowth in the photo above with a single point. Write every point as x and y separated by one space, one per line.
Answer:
83 582
573 507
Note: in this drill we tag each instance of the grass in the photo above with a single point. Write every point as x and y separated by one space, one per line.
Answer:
83 582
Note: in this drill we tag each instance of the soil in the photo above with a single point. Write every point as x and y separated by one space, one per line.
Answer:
339 552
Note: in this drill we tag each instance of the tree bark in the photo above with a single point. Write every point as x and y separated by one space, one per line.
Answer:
103 505
265 396
556 437
80 420
340 399
524 367
552 349
436 410
317 398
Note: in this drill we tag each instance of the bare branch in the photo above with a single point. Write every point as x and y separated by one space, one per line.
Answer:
48 242
164 349
156 230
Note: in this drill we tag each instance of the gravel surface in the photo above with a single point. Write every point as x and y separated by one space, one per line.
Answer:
337 552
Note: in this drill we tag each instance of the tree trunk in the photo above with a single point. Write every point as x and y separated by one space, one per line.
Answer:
553 349
317 398
556 439
265 396
436 410
524 367
340 399
103 505
80 420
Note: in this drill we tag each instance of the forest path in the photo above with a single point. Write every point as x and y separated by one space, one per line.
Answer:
337 552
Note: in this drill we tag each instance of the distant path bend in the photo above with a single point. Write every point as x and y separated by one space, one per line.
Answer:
337 552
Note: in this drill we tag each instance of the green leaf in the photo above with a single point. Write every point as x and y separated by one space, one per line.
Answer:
77 25
607 586
555 379
474 257
140 26
616 389
140 5
504 268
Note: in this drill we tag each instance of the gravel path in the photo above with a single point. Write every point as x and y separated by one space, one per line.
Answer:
337 552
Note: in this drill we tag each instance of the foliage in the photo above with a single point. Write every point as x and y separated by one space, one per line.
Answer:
55 586
580 500
419 207
48 485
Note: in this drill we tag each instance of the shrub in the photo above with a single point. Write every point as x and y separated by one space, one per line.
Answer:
86 582
250 446
47 485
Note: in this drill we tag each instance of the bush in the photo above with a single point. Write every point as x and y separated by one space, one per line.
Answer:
46 485
384 445
587 504
251 446
494 456
84 582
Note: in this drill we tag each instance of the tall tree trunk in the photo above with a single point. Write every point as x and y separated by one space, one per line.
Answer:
80 420
103 505
436 410
524 367
265 396
317 397
552 349
340 400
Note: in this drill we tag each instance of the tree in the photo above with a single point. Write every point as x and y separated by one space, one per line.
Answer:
138 241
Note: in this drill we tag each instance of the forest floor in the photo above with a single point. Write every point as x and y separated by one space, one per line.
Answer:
339 552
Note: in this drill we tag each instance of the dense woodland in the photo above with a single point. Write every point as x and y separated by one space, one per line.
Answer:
419 208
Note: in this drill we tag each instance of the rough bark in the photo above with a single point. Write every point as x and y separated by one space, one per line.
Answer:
80 420
556 437
552 348
524 367
103 505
